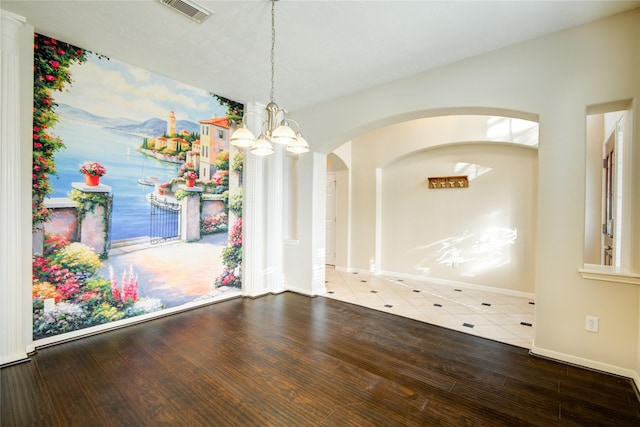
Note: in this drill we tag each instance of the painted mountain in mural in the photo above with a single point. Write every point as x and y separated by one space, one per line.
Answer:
156 127
149 128
74 114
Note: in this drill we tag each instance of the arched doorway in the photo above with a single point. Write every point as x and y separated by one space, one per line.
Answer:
482 236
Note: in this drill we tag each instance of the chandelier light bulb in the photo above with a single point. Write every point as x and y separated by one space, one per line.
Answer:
299 146
283 134
262 147
242 137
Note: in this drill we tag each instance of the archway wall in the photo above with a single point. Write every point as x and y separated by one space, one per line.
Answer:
483 234
554 78
378 150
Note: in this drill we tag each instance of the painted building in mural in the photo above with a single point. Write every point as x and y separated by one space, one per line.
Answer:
171 123
214 138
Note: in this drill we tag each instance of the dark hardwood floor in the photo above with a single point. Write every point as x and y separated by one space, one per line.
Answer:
289 360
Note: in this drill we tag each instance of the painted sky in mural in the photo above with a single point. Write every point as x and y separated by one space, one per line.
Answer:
109 88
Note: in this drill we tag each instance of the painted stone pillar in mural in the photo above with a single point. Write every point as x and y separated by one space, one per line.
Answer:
94 218
190 213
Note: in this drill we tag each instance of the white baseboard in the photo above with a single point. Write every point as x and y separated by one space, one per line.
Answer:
13 359
437 281
586 363
92 330
457 284
306 292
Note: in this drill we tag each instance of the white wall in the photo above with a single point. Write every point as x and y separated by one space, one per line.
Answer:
483 234
554 78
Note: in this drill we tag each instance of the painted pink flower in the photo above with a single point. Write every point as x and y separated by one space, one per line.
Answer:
115 290
129 290
49 78
54 64
92 168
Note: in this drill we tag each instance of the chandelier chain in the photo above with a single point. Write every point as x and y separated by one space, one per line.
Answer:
273 50
274 127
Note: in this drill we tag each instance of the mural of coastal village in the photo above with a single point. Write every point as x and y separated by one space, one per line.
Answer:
137 195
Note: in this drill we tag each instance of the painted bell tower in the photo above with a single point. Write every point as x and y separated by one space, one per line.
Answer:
171 124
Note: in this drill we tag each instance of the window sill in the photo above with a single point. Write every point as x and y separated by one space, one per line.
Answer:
608 274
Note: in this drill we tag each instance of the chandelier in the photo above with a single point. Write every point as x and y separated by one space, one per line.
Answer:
276 128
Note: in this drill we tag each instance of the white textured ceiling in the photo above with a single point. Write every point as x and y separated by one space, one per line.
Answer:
324 49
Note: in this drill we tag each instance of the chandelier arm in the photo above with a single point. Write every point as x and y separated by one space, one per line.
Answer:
293 121
244 116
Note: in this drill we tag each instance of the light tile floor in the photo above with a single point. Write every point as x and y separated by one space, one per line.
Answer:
504 318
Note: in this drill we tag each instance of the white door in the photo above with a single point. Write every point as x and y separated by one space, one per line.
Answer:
330 244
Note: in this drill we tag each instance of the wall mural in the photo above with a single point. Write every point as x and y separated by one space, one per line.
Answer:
137 201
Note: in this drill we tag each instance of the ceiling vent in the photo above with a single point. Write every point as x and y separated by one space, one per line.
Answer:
188 8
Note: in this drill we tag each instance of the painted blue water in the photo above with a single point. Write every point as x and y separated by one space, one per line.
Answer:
118 153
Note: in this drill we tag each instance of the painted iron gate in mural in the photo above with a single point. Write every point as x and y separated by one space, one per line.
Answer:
164 221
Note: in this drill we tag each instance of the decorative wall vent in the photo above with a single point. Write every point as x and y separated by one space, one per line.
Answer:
188 8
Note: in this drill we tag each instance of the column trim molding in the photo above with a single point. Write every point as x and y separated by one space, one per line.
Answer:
16 95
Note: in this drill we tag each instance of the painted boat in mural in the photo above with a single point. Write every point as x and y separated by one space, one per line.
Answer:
148 180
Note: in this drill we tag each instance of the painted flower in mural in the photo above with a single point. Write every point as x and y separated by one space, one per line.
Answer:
235 236
214 224
190 175
186 167
128 291
92 168
52 60
232 258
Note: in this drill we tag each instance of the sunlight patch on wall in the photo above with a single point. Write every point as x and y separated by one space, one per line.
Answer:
473 253
508 129
471 170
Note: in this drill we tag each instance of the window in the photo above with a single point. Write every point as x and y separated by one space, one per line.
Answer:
608 246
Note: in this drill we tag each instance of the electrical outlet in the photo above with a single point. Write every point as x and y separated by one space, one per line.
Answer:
591 324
